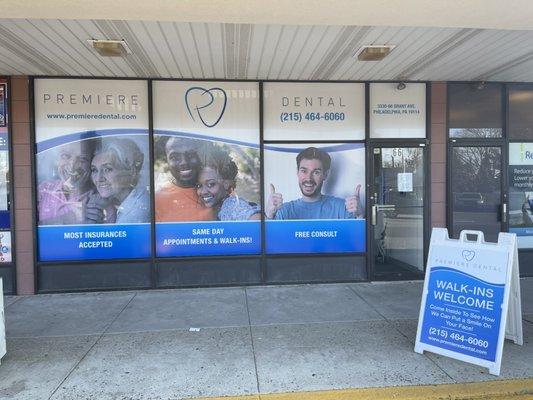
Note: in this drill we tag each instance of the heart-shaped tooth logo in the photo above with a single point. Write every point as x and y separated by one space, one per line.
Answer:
469 255
208 105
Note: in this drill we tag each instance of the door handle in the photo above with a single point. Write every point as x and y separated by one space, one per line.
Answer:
504 212
374 219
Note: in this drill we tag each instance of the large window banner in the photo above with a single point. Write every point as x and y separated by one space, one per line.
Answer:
3 103
314 198
521 192
207 168
313 111
397 111
5 216
93 183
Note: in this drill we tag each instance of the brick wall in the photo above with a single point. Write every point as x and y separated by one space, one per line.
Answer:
438 154
20 117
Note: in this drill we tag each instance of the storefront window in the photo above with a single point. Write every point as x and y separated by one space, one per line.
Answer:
475 110
93 163
313 111
520 115
397 111
476 190
521 192
207 172
314 198
5 214
314 192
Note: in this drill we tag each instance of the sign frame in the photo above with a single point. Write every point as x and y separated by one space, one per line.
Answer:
510 325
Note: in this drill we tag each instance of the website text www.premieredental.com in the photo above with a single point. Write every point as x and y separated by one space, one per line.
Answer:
99 116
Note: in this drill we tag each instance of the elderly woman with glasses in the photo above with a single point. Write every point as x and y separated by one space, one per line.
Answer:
120 197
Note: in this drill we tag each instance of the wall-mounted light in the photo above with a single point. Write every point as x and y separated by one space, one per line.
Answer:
374 53
110 48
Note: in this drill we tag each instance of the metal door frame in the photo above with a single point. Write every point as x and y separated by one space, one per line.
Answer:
391 143
500 143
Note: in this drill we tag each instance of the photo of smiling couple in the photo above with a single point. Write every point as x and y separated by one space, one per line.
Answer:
200 180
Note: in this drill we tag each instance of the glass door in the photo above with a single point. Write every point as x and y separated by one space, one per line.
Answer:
398 213
477 199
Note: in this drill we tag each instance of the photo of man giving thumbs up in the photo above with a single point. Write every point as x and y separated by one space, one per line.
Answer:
313 168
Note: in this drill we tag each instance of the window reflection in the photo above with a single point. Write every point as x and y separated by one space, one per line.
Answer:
520 115
521 192
476 180
475 110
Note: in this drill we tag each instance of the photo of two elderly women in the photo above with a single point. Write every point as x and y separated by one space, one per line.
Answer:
102 180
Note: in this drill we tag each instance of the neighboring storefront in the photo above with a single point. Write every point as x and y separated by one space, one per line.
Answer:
7 266
490 185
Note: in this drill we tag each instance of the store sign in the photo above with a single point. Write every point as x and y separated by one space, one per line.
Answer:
314 198
521 192
313 111
395 113
5 247
471 294
5 213
3 105
207 172
93 163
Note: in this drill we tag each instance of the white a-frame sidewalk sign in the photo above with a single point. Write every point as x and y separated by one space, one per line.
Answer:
471 298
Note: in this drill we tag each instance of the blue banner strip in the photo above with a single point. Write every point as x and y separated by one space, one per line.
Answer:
462 313
316 236
522 231
468 276
94 242
5 220
207 238
4 141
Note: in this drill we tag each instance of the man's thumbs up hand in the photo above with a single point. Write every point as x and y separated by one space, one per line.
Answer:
353 203
274 202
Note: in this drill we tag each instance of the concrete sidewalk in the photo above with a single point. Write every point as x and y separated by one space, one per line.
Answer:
173 344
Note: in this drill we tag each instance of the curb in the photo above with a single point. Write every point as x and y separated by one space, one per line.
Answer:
521 389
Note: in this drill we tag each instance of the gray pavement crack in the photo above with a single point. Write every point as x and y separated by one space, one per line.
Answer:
91 347
399 331
252 339
19 298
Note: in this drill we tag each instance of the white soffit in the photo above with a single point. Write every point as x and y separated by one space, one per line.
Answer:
246 51
488 14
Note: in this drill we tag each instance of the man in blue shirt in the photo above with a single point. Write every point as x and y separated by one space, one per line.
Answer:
312 170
